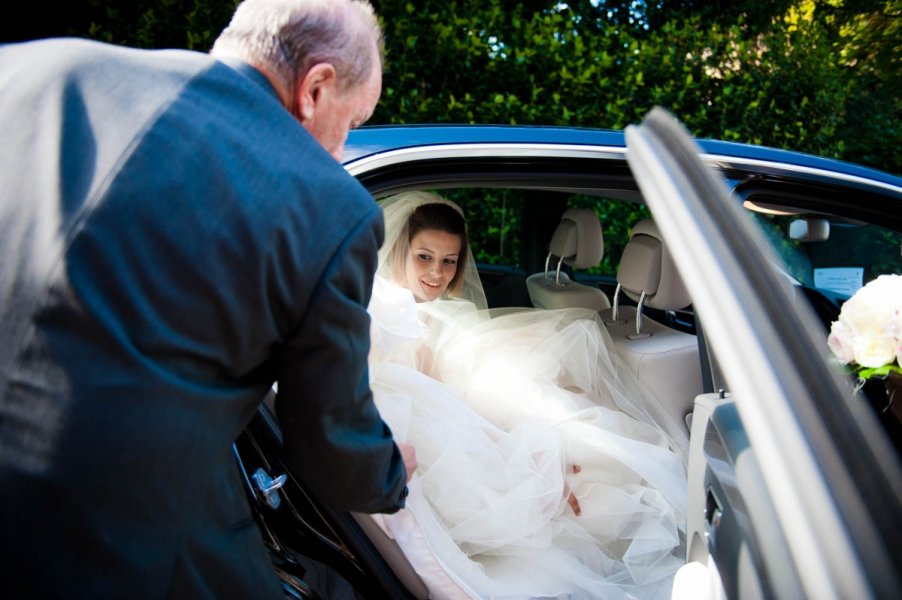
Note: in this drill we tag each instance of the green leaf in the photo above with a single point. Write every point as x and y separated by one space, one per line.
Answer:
878 372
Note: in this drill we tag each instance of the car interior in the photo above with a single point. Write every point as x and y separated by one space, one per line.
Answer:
554 235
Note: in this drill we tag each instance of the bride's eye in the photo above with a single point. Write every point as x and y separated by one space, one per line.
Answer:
450 261
424 257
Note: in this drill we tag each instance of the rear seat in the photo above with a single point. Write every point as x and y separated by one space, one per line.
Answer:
578 243
665 360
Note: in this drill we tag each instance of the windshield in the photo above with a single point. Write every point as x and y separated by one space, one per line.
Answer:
833 255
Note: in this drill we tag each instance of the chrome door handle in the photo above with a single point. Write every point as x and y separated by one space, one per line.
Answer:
269 487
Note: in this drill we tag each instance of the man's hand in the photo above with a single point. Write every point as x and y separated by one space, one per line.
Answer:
409 455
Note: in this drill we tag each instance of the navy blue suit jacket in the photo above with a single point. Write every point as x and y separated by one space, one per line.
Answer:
172 243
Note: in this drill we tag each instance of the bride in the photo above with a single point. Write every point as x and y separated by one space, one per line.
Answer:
539 475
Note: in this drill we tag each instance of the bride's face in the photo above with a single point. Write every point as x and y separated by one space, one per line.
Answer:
432 263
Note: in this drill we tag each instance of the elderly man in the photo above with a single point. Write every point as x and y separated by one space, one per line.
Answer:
177 235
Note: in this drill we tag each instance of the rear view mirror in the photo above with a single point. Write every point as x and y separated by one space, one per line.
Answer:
810 229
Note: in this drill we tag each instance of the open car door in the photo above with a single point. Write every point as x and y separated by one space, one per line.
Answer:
794 487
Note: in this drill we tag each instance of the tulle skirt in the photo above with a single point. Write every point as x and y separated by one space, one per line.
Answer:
504 408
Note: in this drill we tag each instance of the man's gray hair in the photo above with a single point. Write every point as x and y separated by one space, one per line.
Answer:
286 38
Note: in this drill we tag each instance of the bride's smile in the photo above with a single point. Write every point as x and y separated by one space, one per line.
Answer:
432 263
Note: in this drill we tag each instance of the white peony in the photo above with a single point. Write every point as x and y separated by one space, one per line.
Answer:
840 342
869 329
874 351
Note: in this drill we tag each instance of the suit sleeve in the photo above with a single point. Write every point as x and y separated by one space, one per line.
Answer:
334 439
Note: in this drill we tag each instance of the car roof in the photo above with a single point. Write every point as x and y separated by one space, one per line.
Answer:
371 140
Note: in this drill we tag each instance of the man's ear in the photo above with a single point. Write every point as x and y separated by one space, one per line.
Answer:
316 86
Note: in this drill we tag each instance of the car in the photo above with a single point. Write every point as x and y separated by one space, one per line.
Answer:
795 486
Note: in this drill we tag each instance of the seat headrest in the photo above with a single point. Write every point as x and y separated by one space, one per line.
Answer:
578 239
646 265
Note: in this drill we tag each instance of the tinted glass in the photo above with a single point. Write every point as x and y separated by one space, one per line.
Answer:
494 220
617 218
841 256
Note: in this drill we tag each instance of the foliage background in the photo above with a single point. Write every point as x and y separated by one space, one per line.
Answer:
819 76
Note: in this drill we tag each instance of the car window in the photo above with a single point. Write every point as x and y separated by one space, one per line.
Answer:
617 218
833 255
494 223
496 216
510 230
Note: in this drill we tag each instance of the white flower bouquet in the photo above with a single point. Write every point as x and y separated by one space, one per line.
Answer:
868 335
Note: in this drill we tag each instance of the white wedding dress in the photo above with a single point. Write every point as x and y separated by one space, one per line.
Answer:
499 407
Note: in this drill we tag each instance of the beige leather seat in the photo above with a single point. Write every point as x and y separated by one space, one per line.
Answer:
665 360
578 243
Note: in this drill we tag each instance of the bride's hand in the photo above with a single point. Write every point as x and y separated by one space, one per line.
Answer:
409 456
571 498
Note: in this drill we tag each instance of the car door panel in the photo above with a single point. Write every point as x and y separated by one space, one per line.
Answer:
822 461
731 518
